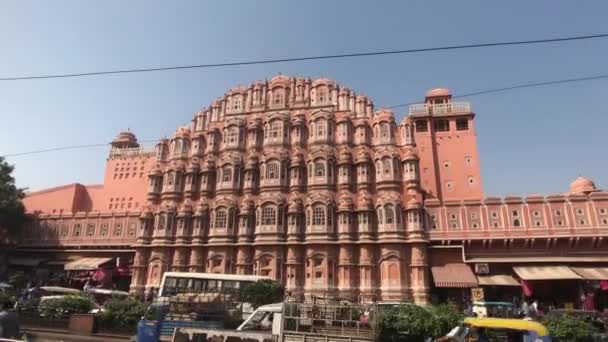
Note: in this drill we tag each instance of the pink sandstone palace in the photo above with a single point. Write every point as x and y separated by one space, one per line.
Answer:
302 181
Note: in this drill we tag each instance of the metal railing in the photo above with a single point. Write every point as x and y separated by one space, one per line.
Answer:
440 108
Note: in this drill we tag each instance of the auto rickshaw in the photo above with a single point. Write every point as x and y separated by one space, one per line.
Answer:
498 329
494 309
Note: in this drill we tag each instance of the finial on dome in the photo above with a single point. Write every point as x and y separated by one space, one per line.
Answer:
125 140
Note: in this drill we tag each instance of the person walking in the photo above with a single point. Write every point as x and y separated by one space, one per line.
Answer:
9 322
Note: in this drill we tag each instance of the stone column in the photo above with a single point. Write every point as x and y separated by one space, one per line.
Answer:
196 259
346 274
180 255
294 283
366 275
419 273
139 272
243 260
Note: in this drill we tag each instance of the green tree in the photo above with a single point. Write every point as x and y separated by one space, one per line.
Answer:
407 322
413 323
64 306
568 327
123 311
445 318
12 210
262 292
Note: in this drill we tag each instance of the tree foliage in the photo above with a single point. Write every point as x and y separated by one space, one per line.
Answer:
123 311
12 210
262 292
64 306
568 327
413 323
18 280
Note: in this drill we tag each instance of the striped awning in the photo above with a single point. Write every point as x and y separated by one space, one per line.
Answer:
497 280
453 275
86 264
592 273
545 272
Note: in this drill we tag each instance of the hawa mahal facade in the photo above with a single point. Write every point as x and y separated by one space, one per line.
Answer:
303 181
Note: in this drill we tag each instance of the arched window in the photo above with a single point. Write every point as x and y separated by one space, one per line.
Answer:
226 174
319 169
277 98
177 147
308 217
269 215
232 136
379 215
320 129
318 216
236 102
322 95
386 164
220 218
272 170
389 214
276 130
231 218
384 131
171 178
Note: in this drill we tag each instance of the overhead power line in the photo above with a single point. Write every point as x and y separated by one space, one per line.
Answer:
297 59
71 147
476 93
519 86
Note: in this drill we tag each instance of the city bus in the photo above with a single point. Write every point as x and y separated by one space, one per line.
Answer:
176 283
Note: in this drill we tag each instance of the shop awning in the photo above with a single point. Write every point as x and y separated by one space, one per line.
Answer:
56 262
545 272
497 280
535 259
86 264
30 262
592 273
453 275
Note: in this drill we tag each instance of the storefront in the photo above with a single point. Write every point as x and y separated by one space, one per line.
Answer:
453 283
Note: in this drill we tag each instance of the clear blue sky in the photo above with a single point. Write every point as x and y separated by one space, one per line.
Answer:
530 141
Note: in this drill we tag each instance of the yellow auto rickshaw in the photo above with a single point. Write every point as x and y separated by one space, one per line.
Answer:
498 329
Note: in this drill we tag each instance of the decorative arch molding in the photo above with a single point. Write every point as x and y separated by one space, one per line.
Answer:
320 114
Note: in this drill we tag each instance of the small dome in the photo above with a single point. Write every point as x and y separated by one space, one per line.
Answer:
252 163
295 206
183 131
582 185
246 205
279 79
194 166
364 202
297 159
345 158
156 171
383 115
362 156
435 92
186 208
125 139
413 203
410 155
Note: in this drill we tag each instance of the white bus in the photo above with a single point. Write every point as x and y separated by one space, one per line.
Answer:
174 283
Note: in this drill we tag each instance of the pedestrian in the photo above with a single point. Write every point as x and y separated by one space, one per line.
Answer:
525 308
9 323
